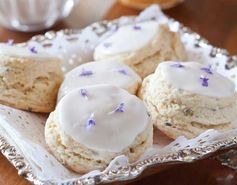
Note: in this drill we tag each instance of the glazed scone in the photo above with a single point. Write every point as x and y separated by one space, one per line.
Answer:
142 46
94 124
189 98
29 79
103 72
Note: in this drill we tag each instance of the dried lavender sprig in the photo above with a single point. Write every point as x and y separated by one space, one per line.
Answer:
136 27
177 65
33 50
107 44
204 81
120 108
91 121
123 71
86 72
84 93
207 70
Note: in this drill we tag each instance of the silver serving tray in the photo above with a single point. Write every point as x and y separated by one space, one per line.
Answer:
123 173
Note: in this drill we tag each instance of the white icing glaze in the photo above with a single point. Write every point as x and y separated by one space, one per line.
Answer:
127 39
188 78
11 50
104 72
113 131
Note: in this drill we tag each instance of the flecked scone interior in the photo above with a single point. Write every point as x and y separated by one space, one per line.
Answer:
178 112
166 45
29 83
82 159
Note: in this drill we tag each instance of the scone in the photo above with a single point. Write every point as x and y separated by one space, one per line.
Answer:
93 124
189 98
103 72
142 46
29 79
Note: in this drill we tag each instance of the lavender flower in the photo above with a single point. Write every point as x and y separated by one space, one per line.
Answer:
10 42
136 27
84 93
107 44
33 50
207 70
204 81
91 121
177 65
86 73
123 71
120 108
114 29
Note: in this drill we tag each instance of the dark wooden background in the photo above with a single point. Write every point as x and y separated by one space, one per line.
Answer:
215 20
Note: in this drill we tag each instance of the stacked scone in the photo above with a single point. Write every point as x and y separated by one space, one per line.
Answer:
142 46
93 124
189 98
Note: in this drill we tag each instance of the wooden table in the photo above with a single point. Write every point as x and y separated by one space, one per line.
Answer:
216 20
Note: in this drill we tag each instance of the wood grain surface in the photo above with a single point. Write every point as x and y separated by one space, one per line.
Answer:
216 20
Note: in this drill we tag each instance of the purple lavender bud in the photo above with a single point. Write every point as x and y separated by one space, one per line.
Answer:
204 81
207 70
86 73
84 93
136 27
107 44
123 71
91 121
177 65
120 108
33 50
10 42
114 29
